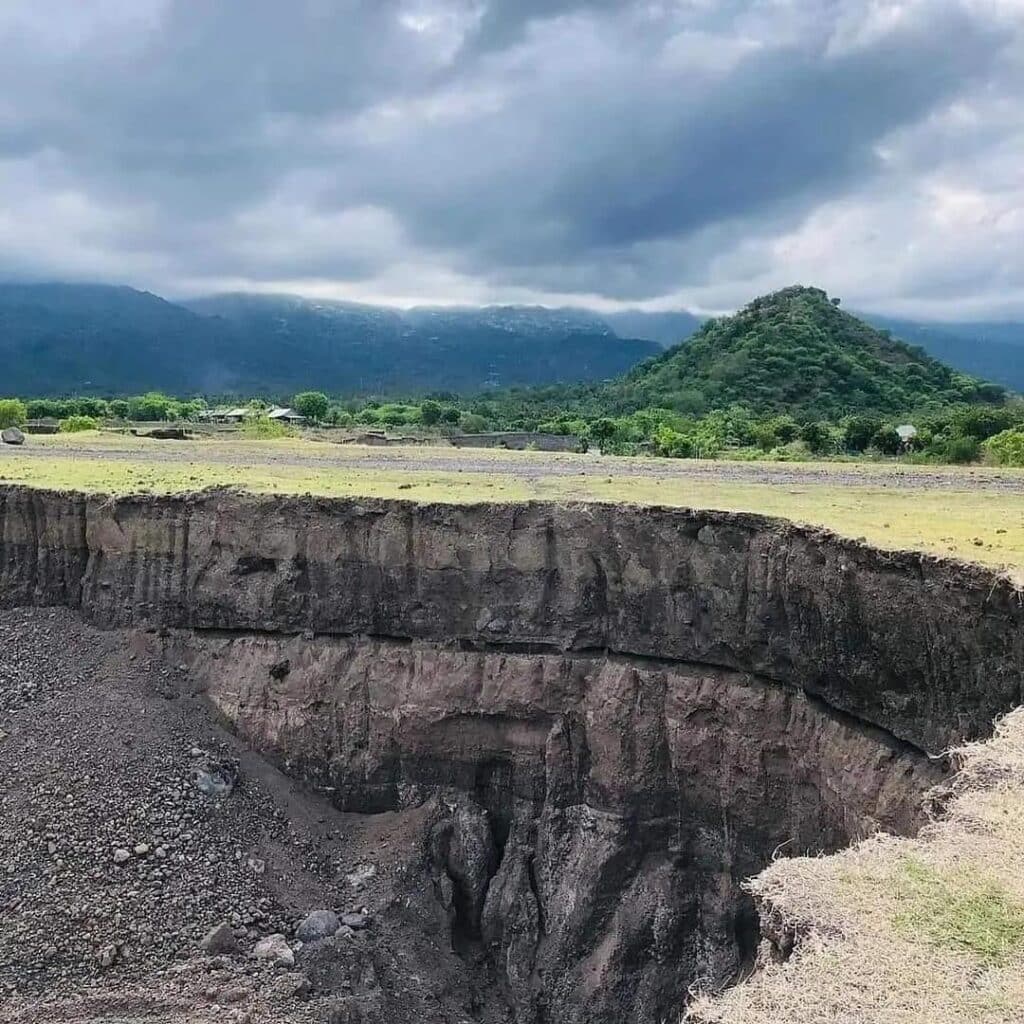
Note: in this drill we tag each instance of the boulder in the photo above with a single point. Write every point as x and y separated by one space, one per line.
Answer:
317 926
220 939
275 948
12 435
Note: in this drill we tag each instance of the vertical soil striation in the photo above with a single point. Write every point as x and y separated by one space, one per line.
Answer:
623 713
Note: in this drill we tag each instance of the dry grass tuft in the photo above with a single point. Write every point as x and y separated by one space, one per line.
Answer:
903 931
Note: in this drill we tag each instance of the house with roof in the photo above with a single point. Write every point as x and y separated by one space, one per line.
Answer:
286 415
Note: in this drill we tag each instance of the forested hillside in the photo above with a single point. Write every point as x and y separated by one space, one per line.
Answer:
796 351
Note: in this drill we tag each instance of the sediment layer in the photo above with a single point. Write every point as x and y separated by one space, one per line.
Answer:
631 709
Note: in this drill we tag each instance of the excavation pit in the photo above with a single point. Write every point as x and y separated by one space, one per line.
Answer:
585 726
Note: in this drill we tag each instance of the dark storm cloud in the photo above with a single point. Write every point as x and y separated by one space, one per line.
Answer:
402 147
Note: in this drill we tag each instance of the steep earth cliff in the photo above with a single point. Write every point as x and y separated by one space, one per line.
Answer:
625 711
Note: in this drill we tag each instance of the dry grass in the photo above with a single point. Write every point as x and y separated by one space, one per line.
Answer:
904 931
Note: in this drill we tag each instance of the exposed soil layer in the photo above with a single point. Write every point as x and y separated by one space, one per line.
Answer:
590 723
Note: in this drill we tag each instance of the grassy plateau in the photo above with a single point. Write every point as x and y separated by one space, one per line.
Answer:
975 514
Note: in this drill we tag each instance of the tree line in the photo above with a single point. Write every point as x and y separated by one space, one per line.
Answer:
958 433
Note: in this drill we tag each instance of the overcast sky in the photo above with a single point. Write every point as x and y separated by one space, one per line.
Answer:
663 153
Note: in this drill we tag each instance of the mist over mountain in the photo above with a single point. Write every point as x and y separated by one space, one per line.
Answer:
991 350
666 329
98 339
61 338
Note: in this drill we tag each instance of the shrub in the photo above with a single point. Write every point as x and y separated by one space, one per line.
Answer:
818 437
395 414
12 412
672 444
339 417
76 424
261 428
473 423
1006 447
962 450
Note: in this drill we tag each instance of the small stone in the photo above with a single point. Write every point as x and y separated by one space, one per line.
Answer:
108 956
275 948
355 921
234 994
12 435
141 849
317 926
121 855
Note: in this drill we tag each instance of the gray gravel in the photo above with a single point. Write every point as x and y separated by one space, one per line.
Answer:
536 465
117 863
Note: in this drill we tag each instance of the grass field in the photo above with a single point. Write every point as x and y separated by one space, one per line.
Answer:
975 514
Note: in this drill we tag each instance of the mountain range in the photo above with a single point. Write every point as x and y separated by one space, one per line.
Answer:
62 338
96 339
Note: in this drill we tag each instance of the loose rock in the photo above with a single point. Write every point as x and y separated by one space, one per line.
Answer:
220 939
319 925
275 948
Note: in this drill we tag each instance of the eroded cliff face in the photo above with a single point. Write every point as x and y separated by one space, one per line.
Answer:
627 711
623 801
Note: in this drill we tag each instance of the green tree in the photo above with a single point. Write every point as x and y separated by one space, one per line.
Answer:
672 444
312 405
95 407
785 428
473 423
120 409
887 441
46 408
430 412
602 430
858 432
338 416
13 412
817 437
962 450
151 406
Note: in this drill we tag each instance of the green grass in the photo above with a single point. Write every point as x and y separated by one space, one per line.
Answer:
980 525
962 912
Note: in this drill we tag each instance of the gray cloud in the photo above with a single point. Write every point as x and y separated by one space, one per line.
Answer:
679 151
